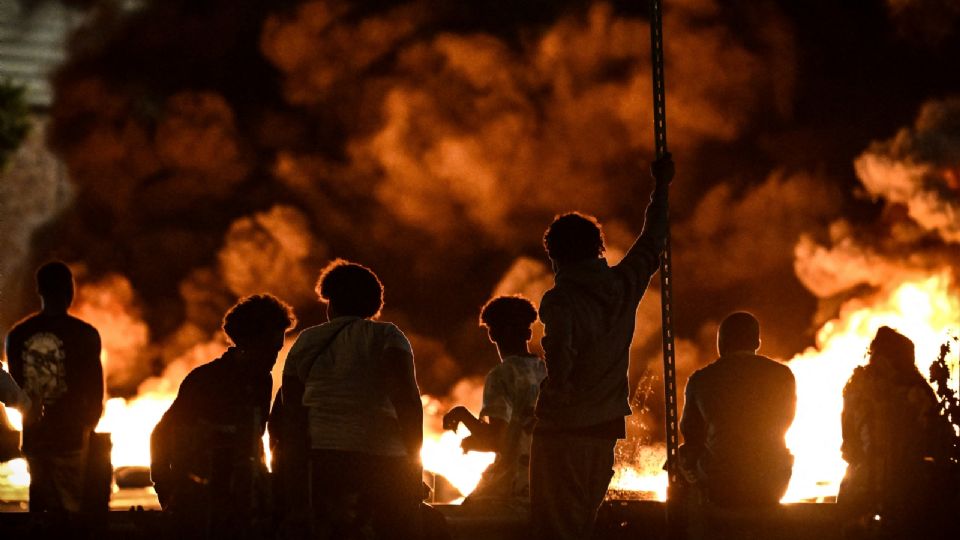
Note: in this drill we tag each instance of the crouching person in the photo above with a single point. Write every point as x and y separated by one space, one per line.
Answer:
207 459
360 413
506 420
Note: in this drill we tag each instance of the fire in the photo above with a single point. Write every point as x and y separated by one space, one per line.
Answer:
924 310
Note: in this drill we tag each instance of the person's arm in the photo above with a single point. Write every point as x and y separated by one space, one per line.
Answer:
693 427
11 395
557 342
405 396
163 440
92 382
643 258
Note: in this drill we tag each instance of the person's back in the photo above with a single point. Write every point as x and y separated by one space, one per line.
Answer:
735 419
747 403
349 408
350 395
589 318
55 358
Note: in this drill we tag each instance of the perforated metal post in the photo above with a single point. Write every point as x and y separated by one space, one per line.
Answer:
666 279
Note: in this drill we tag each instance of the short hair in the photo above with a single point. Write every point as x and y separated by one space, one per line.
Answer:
508 313
54 278
894 347
739 331
574 237
351 288
257 315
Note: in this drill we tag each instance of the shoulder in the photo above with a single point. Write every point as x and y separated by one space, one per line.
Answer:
779 369
390 333
84 327
553 300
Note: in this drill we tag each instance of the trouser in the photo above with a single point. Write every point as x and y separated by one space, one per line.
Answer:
357 495
569 476
56 481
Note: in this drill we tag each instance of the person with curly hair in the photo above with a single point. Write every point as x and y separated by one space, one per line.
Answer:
506 419
207 458
351 399
589 317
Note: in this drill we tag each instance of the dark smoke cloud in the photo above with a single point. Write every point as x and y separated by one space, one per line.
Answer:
220 149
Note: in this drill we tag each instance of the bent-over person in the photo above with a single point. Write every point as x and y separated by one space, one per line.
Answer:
207 458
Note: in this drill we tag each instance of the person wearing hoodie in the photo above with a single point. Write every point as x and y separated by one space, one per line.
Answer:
589 317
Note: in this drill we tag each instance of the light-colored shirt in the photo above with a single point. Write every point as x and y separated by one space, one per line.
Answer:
510 394
345 385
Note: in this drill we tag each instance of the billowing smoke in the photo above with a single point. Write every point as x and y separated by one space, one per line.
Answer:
915 177
240 152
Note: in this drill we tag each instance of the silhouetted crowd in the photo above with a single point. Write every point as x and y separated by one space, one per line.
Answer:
346 426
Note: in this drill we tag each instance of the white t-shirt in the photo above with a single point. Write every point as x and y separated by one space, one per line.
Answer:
510 394
345 385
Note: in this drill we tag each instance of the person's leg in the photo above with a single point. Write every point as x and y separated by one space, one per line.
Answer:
568 480
42 492
393 498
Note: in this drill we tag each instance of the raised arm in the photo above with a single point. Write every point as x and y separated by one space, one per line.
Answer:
643 258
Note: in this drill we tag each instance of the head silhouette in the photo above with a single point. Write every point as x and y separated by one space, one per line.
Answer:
572 238
739 331
508 320
891 349
55 285
350 289
257 324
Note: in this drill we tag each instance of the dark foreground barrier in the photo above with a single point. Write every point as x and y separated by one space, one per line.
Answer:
634 520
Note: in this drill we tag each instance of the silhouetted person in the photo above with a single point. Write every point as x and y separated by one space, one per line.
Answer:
589 317
896 443
207 459
360 412
55 358
506 419
735 420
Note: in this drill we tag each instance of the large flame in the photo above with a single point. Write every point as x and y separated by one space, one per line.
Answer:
924 310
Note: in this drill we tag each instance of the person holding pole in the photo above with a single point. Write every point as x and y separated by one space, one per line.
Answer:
589 318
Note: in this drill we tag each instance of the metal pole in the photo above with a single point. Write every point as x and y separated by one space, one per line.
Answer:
666 274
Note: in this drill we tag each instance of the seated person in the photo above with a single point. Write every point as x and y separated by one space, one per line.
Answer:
735 420
207 459
510 393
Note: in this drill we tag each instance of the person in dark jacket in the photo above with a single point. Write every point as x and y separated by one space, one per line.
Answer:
896 443
207 459
735 420
589 318
55 358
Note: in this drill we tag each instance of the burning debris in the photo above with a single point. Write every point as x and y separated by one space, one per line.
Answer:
436 151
